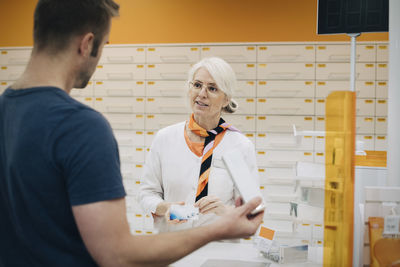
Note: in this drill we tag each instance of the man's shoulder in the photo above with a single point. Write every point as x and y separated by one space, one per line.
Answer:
65 111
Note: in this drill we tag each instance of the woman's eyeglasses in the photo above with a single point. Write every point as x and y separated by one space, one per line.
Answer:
197 85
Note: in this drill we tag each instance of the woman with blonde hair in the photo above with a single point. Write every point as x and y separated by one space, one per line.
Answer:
184 164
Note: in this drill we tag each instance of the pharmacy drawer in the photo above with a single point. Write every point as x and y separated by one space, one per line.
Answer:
277 174
245 89
364 89
263 176
149 137
251 136
132 171
382 71
381 108
286 53
320 123
126 121
382 89
119 88
173 54
127 55
167 105
230 53
279 189
369 142
364 107
11 72
146 152
342 53
135 220
132 189
304 231
130 154
4 86
246 106
320 106
166 88
382 53
125 72
241 122
319 144
286 71
88 101
341 71
245 71
380 142
277 209
279 225
158 121
284 124
277 141
381 125
15 56
83 92
365 125
310 213
119 104
168 71
285 106
285 88
319 156
282 158
318 237
128 137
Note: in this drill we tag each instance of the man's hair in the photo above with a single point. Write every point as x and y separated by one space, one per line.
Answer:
57 21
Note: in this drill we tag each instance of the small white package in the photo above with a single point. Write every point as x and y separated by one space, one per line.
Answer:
183 212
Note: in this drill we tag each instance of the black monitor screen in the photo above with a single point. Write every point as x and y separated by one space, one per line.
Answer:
352 16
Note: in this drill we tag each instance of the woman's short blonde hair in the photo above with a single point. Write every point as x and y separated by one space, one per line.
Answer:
223 75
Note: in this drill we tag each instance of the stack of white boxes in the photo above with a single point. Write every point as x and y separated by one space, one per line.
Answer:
141 88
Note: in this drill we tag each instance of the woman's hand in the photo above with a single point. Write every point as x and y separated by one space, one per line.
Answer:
211 204
162 210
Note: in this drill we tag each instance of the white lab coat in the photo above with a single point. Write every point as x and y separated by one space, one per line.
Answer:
171 173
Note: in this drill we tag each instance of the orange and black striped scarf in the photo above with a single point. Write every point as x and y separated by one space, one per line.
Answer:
213 137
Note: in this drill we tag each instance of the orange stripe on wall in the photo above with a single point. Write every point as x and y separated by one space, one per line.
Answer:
191 21
16 22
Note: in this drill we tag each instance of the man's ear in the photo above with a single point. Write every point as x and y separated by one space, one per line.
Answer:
86 44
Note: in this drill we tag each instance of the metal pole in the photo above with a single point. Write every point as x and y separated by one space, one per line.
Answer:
353 57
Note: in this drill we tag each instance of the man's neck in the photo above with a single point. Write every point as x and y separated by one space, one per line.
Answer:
45 70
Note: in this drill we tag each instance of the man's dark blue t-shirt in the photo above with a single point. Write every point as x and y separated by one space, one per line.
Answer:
54 153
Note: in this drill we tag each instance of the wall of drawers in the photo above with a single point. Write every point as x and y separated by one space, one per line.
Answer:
141 88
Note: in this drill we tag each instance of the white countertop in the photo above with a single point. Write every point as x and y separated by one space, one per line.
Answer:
219 254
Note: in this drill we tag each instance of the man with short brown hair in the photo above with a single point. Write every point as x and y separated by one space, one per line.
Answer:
62 201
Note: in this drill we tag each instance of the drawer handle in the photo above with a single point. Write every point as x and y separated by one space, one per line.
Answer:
119 92
123 59
176 58
120 76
